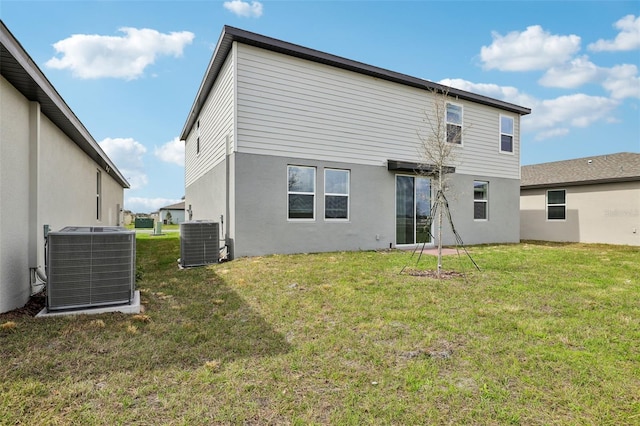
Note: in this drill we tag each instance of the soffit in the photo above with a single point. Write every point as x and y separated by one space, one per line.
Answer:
17 67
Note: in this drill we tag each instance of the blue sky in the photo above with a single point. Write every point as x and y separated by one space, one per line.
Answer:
130 69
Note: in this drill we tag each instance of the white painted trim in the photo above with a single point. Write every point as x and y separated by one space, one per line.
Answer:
546 203
315 193
348 195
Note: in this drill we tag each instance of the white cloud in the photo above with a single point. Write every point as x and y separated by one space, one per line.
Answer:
577 110
627 39
561 131
147 205
623 82
573 74
91 56
244 9
126 154
171 152
532 49
505 93
551 117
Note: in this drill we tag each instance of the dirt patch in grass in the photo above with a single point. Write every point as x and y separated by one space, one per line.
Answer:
444 275
35 304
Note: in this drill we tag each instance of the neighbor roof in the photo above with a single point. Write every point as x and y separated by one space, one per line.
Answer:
19 69
231 34
620 167
177 206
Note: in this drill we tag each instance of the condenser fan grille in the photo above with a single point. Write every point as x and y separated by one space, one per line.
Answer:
199 243
87 268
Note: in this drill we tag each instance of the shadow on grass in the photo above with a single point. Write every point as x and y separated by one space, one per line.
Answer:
191 318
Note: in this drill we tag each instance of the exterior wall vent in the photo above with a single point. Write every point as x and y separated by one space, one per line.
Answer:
90 267
199 243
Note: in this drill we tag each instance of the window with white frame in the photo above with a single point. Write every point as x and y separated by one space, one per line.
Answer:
454 123
301 192
506 134
480 200
336 194
557 204
198 138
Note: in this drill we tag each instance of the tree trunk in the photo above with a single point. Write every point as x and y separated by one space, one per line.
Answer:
440 207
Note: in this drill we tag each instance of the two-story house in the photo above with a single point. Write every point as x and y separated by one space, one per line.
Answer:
296 150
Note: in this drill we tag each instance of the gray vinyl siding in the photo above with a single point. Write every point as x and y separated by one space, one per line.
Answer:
216 123
288 106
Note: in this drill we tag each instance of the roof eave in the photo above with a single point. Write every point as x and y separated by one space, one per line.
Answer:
231 34
580 183
24 71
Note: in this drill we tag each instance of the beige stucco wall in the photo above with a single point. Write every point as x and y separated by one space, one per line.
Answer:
14 197
45 178
602 213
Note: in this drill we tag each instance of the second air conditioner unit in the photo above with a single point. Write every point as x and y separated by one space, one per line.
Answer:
199 243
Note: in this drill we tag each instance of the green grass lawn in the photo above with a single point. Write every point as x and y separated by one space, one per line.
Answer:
544 334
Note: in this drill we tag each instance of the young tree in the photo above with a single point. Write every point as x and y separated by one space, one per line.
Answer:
439 141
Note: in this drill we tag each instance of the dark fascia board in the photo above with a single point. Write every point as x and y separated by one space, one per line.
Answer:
581 182
410 167
21 71
231 34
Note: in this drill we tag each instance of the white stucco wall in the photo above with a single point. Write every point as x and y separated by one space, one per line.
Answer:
45 178
603 213
68 189
14 197
177 216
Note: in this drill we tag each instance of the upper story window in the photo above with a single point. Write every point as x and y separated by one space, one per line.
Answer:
336 194
301 192
506 134
198 138
480 200
557 204
454 123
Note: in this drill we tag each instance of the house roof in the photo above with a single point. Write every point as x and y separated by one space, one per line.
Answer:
231 34
177 206
620 167
17 67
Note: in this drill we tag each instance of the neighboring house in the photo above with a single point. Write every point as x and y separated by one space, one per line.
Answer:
296 150
52 171
127 217
172 214
589 200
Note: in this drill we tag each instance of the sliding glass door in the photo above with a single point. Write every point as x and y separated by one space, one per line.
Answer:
413 207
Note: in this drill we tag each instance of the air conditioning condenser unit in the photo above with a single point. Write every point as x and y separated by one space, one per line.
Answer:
199 243
90 267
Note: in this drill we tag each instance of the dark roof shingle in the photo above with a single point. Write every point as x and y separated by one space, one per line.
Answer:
620 167
177 206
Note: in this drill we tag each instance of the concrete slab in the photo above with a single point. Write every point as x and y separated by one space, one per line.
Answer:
133 308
